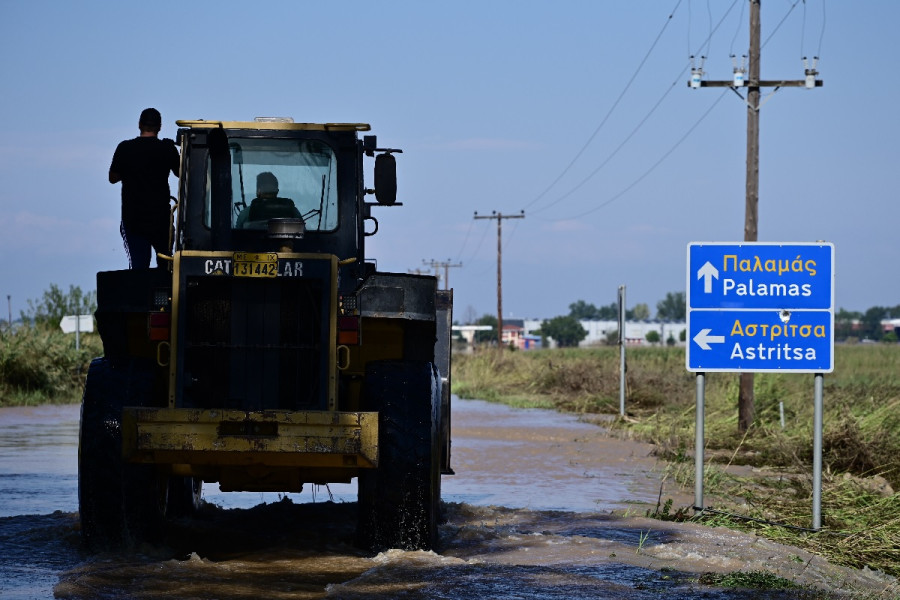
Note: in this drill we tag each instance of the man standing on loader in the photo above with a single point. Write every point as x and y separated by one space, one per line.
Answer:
142 165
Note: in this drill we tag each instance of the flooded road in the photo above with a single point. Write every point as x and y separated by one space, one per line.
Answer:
528 517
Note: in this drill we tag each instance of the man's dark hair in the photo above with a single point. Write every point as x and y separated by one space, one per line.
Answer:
150 118
266 183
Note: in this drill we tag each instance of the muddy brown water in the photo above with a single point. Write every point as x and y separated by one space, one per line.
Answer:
539 508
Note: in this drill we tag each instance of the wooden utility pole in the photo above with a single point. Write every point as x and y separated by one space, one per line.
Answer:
442 265
746 408
500 217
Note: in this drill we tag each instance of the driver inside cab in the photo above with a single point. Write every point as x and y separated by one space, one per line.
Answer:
267 205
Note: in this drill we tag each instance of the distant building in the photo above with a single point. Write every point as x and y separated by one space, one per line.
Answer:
635 331
521 333
468 331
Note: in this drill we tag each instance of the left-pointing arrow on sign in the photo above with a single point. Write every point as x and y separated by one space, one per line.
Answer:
703 339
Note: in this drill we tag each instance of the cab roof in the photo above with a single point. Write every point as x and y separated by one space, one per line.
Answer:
280 125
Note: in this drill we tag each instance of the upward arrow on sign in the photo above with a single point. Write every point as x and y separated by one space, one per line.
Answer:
707 272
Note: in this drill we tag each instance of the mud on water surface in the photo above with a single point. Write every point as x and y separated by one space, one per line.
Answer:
528 517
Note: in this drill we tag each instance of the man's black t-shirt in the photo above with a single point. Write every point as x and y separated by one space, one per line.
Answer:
144 163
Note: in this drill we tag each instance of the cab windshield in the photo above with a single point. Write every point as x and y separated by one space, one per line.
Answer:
278 178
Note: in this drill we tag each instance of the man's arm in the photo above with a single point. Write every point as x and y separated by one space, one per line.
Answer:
114 175
174 158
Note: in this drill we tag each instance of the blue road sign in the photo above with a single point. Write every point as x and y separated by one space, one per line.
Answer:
761 275
761 340
758 307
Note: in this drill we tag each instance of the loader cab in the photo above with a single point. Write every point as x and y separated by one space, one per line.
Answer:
245 185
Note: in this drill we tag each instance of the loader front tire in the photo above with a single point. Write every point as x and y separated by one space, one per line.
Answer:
399 502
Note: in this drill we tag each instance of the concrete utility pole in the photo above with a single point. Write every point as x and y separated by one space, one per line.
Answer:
746 409
500 217
442 265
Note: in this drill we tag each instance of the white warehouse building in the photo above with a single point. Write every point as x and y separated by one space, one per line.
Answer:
635 331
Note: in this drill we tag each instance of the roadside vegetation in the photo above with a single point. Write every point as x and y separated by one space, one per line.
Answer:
39 364
760 480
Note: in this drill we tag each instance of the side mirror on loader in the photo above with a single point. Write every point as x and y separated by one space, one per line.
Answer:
386 179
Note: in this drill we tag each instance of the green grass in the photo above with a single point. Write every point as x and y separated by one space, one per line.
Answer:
41 366
759 580
861 440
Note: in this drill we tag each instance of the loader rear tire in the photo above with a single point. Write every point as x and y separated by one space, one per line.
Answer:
120 504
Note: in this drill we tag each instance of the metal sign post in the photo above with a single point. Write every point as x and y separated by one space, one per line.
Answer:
622 350
699 441
757 307
817 452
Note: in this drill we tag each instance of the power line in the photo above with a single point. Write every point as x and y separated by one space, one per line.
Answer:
781 22
610 111
480 242
736 31
640 124
652 168
822 31
465 240
803 32
615 151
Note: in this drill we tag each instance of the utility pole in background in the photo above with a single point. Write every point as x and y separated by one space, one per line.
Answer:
746 409
442 265
500 217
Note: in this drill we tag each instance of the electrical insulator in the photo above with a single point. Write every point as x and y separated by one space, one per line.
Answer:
739 71
810 72
696 75
811 78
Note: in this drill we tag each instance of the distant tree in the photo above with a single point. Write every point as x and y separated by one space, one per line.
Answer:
670 341
890 337
56 304
565 330
843 323
612 338
871 322
540 332
652 336
610 312
582 310
683 335
585 311
672 307
486 336
640 312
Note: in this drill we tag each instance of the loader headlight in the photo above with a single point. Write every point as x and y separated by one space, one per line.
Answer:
286 229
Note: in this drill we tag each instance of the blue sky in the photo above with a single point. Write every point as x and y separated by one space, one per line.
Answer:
492 102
